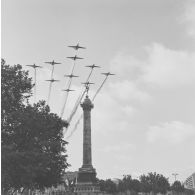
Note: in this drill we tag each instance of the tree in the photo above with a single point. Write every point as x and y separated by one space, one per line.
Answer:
136 186
155 183
70 181
188 192
125 184
177 187
33 149
107 186
129 184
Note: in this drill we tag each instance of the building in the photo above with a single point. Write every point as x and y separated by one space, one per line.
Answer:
190 182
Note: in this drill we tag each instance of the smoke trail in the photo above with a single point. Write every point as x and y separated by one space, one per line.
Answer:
78 121
89 75
79 99
68 87
75 127
99 88
50 85
35 71
66 97
52 72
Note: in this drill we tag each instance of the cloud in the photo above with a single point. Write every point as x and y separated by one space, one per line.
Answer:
189 17
110 114
125 147
124 107
175 132
162 67
126 66
168 68
126 91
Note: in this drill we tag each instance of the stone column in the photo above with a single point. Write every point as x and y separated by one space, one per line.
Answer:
87 154
86 181
87 174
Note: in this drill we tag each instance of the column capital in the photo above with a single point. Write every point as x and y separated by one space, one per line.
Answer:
87 104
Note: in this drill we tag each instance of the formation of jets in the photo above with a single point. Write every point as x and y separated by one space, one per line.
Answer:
75 58
67 90
52 63
76 47
108 73
71 75
34 66
93 66
52 80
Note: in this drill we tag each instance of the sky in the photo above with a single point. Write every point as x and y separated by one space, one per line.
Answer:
144 117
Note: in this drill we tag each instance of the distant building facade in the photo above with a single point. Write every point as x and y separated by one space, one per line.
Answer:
190 182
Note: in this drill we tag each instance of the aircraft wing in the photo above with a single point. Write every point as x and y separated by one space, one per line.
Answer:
67 90
88 83
81 47
78 57
108 73
71 58
93 66
30 65
52 80
71 75
74 47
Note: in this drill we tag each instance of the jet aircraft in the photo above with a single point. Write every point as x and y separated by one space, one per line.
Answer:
75 58
71 75
67 90
52 63
52 80
34 66
87 86
76 47
88 83
93 66
108 73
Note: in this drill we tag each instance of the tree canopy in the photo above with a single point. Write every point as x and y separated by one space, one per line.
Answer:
107 186
33 149
155 183
177 186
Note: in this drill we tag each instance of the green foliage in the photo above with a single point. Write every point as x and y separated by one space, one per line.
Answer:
107 186
155 183
33 149
70 184
188 192
177 187
127 183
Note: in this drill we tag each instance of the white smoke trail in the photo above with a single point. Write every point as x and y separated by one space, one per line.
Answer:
50 85
78 121
79 100
67 87
35 91
75 127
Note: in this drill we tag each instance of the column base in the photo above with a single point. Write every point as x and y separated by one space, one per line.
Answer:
86 189
86 181
87 174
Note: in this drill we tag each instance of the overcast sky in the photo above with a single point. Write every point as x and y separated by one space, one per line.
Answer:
144 117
